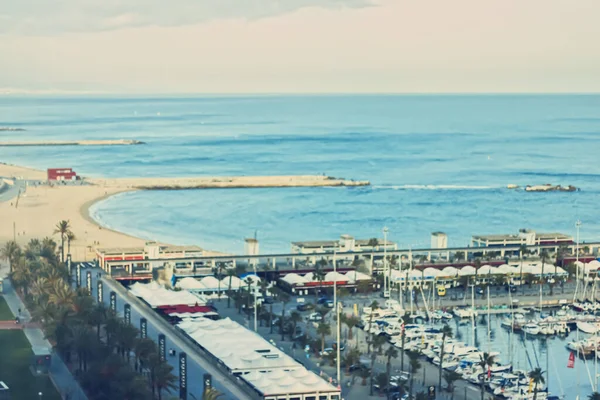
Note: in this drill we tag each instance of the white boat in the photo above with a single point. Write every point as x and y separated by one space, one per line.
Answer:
531 328
465 312
587 327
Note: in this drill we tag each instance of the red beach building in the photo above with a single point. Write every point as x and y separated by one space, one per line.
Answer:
62 174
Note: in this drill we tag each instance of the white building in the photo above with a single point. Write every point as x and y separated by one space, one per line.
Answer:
345 244
525 237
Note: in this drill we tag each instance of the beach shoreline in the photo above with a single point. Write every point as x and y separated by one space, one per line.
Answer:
37 210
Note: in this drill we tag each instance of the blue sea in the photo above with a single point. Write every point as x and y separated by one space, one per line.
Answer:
436 163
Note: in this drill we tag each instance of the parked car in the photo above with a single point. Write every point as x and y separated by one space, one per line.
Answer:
479 290
304 307
511 288
268 300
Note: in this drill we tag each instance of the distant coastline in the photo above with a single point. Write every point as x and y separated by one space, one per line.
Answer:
118 142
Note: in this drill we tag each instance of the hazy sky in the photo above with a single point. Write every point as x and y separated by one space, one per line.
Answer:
275 46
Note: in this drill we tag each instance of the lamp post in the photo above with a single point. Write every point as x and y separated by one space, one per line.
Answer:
255 306
577 225
337 317
386 275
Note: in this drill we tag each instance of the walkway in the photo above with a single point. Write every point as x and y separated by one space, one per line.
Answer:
59 373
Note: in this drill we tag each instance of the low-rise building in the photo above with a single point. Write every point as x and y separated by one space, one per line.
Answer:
345 244
526 237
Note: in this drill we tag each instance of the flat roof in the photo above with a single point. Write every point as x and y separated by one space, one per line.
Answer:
262 365
140 250
332 243
540 235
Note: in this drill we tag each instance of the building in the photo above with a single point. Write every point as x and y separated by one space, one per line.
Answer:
439 240
140 261
526 237
62 174
345 244
265 369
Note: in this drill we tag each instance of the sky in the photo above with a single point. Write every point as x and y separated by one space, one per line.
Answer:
300 46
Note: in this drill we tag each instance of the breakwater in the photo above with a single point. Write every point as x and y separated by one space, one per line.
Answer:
116 142
225 182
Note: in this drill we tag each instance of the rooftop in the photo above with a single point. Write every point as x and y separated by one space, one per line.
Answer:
538 235
140 250
334 243
259 363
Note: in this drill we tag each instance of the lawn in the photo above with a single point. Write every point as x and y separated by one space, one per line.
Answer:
15 357
5 313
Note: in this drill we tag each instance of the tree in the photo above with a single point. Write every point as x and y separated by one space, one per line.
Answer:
319 276
537 376
522 251
350 321
594 396
284 298
62 228
486 361
450 377
374 306
446 333
323 330
230 274
295 318
212 394
415 365
10 251
390 353
70 237
405 319
164 378
421 396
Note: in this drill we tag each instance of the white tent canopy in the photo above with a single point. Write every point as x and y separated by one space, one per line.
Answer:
157 296
467 270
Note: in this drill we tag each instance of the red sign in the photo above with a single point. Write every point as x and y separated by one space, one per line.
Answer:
571 363
489 373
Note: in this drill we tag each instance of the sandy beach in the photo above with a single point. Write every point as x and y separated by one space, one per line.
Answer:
40 207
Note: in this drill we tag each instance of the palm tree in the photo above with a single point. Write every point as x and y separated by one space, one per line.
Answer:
164 378
405 319
230 274
323 329
374 306
319 276
144 348
295 318
211 394
98 316
390 353
446 333
522 251
415 365
62 295
248 281
284 298
62 228
537 376
450 377
486 361
421 396
11 251
351 321
70 237
594 396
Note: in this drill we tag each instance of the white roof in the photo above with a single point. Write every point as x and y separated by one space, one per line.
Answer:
296 382
235 282
354 276
504 269
309 277
486 269
466 270
262 365
210 282
449 271
189 283
428 272
294 279
253 278
335 276
156 295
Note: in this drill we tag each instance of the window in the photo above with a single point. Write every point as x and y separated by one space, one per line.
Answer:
335 397
310 398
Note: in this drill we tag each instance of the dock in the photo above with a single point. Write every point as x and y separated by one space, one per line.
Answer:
111 142
225 182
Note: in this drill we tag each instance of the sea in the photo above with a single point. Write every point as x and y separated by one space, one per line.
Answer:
435 163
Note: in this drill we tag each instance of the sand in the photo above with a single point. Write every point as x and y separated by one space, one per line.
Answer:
40 208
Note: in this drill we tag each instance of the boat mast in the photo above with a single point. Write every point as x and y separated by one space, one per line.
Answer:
473 314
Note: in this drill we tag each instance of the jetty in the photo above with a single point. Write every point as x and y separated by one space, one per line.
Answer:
225 182
110 142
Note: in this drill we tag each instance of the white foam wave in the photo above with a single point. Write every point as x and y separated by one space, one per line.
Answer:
435 187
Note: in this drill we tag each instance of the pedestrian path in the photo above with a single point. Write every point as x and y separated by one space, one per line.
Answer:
66 385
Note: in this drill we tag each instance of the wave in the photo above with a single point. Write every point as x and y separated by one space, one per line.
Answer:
436 187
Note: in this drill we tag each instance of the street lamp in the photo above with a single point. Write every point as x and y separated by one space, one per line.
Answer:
386 275
255 306
337 317
40 394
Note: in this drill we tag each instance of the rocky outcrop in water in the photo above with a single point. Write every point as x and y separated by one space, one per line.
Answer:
10 129
550 188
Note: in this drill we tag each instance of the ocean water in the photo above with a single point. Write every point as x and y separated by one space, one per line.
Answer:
436 163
